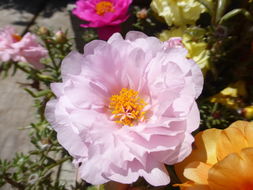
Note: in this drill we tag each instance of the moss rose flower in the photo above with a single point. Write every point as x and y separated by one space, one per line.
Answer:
179 12
126 107
101 13
13 47
221 160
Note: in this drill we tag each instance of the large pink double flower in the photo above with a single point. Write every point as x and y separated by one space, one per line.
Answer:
125 108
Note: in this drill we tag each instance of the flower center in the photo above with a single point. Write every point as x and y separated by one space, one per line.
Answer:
104 7
16 37
127 107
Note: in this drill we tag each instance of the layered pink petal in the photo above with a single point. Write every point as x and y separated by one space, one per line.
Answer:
164 79
25 49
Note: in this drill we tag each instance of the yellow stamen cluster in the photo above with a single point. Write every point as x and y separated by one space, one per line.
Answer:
104 7
127 107
16 37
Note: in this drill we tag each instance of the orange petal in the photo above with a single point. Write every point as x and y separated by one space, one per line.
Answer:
246 128
197 172
210 138
204 150
235 172
240 123
236 137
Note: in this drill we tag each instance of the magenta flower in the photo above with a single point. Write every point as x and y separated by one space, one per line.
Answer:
20 49
126 107
103 13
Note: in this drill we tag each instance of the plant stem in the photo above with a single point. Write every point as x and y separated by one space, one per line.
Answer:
51 56
58 162
221 8
22 68
13 183
58 174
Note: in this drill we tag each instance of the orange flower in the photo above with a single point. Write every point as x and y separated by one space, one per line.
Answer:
221 160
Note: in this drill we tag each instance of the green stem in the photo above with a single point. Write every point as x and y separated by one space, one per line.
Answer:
58 174
57 163
221 7
51 56
235 12
34 74
42 155
209 126
14 183
22 68
215 107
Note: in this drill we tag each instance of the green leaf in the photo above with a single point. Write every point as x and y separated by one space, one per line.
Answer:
207 5
98 187
221 7
235 12
46 77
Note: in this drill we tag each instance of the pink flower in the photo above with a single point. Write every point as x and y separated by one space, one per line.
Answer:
106 15
125 108
174 42
20 49
101 13
8 36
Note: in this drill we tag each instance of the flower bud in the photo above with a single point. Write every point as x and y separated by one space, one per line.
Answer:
44 143
142 14
42 30
60 36
247 112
